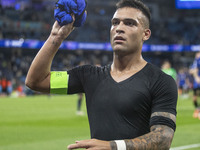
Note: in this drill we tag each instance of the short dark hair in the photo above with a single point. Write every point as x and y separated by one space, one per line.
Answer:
138 4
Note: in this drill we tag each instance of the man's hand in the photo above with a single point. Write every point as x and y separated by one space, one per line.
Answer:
62 32
92 144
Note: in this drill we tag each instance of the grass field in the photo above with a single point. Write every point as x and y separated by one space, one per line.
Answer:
51 123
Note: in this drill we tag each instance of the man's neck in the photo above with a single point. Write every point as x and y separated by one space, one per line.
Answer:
127 63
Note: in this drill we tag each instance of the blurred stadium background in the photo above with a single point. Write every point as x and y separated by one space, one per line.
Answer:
31 121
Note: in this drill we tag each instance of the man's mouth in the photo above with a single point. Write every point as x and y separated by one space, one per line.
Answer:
119 39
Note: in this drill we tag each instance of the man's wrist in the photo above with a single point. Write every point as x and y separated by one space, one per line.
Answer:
55 40
113 145
118 145
122 145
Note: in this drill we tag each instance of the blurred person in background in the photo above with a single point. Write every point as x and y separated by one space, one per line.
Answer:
79 104
0 85
131 104
183 82
79 112
195 71
167 68
5 86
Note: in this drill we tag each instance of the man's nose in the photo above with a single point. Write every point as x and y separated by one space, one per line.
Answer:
120 28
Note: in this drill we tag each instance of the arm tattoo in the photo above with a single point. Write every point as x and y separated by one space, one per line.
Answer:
129 144
159 138
55 43
113 145
165 114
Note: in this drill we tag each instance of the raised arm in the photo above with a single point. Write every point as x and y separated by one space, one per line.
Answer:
38 77
159 138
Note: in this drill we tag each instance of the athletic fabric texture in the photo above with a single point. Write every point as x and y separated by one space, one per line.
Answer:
122 110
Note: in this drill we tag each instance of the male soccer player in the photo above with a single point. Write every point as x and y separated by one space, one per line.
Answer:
195 71
131 104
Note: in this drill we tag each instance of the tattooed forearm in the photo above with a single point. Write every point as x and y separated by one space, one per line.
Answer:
129 144
159 138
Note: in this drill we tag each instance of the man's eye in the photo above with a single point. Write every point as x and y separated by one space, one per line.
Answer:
129 23
115 23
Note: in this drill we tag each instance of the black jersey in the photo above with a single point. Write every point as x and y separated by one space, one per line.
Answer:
122 110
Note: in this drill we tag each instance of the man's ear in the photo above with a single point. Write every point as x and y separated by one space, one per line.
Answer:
147 34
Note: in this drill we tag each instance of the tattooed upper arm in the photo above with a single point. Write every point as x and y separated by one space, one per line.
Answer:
164 132
165 114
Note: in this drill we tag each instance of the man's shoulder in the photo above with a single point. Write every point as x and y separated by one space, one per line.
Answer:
155 74
152 70
90 69
160 80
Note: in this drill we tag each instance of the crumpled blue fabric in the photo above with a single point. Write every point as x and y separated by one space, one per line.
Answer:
64 9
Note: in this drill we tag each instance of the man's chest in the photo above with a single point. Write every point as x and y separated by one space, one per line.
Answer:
129 95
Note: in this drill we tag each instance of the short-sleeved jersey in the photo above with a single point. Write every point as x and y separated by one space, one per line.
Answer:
122 110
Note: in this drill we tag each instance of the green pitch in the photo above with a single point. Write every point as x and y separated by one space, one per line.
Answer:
51 123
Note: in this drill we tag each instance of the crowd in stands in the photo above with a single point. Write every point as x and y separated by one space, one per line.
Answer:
14 65
169 25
